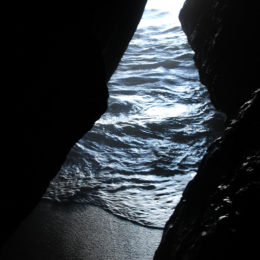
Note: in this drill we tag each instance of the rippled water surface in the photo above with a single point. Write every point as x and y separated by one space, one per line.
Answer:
139 156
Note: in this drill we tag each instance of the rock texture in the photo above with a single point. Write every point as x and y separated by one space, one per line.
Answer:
63 55
223 35
218 215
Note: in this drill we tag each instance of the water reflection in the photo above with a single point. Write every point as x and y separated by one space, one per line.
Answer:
176 110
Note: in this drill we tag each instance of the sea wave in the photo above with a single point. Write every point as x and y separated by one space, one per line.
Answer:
138 158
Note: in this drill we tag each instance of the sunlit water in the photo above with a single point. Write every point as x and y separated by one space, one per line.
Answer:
138 158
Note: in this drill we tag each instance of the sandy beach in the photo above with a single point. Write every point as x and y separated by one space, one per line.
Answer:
73 231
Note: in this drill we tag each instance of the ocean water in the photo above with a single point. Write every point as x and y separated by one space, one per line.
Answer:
138 158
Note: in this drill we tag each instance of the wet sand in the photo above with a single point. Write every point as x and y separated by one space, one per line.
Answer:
74 231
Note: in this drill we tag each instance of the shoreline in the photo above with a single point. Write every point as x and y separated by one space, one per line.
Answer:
76 231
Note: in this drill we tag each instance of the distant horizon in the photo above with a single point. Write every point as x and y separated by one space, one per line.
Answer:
173 7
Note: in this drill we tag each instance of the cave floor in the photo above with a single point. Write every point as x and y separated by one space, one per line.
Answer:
74 231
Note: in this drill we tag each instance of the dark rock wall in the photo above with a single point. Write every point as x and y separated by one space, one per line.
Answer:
62 55
223 34
116 28
218 215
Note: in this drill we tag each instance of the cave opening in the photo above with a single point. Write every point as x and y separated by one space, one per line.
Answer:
138 158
